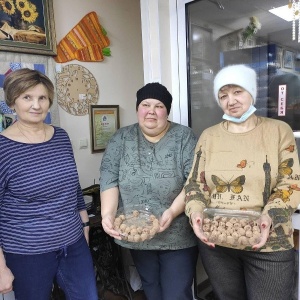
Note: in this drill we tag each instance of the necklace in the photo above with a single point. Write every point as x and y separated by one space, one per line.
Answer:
28 138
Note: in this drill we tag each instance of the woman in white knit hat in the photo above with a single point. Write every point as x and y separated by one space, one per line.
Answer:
245 163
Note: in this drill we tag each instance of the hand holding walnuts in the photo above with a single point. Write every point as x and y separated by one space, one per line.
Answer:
136 226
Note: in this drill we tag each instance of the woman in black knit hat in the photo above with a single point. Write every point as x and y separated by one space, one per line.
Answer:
148 163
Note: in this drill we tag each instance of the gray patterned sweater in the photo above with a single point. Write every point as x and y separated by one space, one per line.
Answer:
154 174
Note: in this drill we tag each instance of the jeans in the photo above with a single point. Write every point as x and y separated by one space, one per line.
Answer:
166 274
72 266
249 275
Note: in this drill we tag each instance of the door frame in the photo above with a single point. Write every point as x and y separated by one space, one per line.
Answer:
174 77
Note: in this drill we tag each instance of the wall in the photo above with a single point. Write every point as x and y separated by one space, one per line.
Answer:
118 76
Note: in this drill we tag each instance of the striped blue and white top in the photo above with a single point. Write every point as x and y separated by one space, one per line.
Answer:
40 195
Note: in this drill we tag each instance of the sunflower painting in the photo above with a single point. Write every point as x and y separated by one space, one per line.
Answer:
26 22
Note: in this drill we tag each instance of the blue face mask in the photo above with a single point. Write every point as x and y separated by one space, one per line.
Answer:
243 118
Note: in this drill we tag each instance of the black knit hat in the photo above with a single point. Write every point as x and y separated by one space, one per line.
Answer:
156 91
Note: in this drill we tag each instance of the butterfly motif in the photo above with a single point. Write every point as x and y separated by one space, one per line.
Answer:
290 148
235 185
284 195
242 164
285 167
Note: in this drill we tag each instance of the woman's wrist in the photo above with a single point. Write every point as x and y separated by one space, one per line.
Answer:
85 224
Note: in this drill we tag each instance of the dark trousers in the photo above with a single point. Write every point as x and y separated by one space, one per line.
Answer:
248 275
72 267
166 274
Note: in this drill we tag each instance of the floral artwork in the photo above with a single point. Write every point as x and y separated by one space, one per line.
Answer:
26 24
21 15
24 10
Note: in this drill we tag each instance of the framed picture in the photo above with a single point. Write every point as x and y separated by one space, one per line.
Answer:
104 122
288 59
27 27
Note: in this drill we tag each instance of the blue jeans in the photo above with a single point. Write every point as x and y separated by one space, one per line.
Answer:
166 274
72 267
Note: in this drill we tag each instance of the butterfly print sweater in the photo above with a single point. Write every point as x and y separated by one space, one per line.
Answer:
256 170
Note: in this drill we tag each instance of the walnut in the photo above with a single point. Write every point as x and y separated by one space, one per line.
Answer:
247 227
243 240
123 227
233 220
241 231
222 224
135 213
133 231
217 218
237 226
117 221
256 228
249 233
152 231
152 218
252 241
206 227
130 238
230 240
222 238
137 238
229 225
206 221
144 236
224 219
122 217
235 235
229 231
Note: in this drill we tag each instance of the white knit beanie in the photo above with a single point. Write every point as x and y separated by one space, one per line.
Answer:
240 75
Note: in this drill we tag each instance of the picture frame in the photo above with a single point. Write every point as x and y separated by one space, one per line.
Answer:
104 122
30 30
288 59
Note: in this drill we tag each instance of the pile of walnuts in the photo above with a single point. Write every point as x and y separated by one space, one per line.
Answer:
231 231
136 226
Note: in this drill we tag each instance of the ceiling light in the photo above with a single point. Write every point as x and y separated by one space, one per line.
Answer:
289 13
284 12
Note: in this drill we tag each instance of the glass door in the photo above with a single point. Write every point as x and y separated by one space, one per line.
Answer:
224 32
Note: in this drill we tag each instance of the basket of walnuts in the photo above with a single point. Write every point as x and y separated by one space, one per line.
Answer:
136 223
233 228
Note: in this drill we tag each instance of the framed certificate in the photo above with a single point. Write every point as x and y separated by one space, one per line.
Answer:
104 122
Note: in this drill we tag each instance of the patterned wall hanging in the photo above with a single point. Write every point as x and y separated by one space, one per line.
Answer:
87 41
77 89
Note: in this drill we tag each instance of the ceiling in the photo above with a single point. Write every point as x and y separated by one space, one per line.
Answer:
234 15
